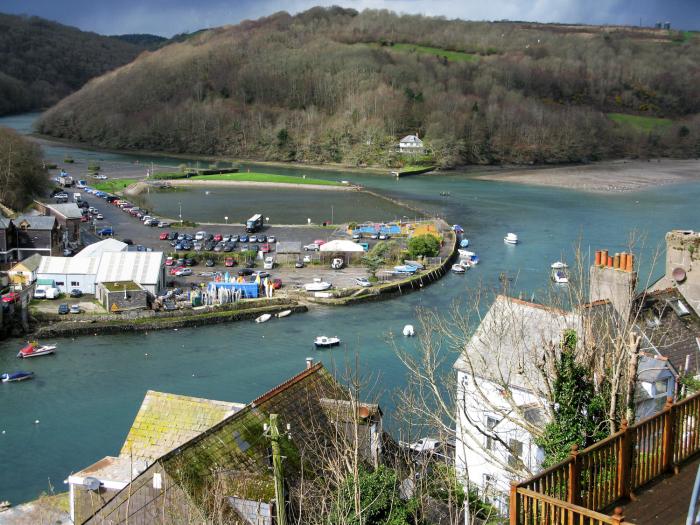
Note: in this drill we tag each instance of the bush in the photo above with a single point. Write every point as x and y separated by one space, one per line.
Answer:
423 246
93 166
68 160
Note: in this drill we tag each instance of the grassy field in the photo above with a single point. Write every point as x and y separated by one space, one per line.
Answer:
114 185
640 123
452 56
266 177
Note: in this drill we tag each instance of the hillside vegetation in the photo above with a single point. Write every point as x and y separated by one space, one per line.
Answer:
41 61
22 173
335 85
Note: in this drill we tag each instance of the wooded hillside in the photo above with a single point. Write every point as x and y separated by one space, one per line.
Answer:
41 61
335 85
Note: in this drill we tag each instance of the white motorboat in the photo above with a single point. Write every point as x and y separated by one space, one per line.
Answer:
458 268
511 238
323 341
408 330
263 318
284 313
317 286
560 277
558 265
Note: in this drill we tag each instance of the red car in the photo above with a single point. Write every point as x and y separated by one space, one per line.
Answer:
11 297
175 269
164 236
169 261
277 283
229 262
265 248
218 237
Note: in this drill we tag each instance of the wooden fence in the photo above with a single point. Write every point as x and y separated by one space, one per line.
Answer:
588 481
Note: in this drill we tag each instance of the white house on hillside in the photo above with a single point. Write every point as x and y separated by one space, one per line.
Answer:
411 144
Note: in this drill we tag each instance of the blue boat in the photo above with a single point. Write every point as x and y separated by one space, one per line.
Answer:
16 376
406 268
464 243
457 229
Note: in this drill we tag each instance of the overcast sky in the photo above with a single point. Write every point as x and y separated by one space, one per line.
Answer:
168 17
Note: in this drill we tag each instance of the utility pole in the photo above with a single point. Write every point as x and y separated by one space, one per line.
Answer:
277 470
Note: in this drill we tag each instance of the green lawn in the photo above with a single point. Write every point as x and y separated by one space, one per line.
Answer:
408 170
453 56
266 177
640 123
114 185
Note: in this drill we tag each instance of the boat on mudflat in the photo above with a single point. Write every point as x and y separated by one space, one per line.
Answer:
33 349
16 376
317 286
323 341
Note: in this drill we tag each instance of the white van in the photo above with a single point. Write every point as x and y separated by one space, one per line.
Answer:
269 263
77 197
52 293
199 236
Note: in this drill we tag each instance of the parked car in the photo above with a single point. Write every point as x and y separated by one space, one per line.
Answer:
76 292
307 259
234 238
218 237
180 262
172 236
356 236
229 246
245 271
209 263
199 236
311 247
182 272
219 247
271 239
175 269
190 262
75 309
164 236
384 236
169 261
269 263
40 293
12 297
363 281
63 309
128 242
243 238
299 264
101 177
84 218
265 248
229 262
277 283
163 224
252 238
262 237
105 231
99 217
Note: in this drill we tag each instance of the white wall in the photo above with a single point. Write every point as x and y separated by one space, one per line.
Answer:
85 283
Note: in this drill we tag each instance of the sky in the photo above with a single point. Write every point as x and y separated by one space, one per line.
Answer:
169 17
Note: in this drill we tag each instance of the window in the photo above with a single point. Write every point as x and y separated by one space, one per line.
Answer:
74 283
660 388
60 283
490 426
516 452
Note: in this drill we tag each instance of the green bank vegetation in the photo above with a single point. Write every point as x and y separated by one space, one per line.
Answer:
640 123
113 185
22 173
249 177
318 88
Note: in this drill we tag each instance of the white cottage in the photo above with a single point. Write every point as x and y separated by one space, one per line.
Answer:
411 144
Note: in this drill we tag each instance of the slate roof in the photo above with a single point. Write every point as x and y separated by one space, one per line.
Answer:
411 139
36 222
30 264
69 210
670 327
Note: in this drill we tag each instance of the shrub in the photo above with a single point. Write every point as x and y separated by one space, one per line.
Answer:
423 246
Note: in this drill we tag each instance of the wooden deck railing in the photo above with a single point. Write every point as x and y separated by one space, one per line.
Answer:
588 481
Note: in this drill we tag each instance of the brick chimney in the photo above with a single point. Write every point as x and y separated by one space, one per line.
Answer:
613 278
683 264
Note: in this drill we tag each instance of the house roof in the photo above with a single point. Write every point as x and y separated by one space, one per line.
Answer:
36 222
100 247
30 264
69 210
140 267
166 421
68 265
413 139
341 245
5 222
509 338
670 328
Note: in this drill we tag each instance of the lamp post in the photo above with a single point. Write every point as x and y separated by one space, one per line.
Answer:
180 215
226 219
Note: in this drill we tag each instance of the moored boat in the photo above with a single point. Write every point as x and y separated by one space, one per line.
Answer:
405 268
457 229
415 264
458 268
560 277
16 376
317 286
263 318
464 243
511 238
323 341
34 350
558 265
408 330
284 313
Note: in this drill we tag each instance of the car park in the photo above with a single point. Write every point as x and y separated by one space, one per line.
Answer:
265 248
356 236
197 246
262 237
163 224
75 308
99 217
190 262
218 237
252 238
269 263
245 272
384 236
243 238
229 246
183 272
199 236
219 247
63 309
76 292
175 269
234 238
307 259
84 218
229 262
128 242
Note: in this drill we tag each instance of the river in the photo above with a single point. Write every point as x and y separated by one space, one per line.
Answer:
86 397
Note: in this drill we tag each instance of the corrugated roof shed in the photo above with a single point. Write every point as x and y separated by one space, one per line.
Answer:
141 267
166 421
36 222
98 248
68 265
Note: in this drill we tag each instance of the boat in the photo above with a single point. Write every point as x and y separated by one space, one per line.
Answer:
405 268
558 265
408 330
464 243
263 318
317 286
468 258
457 229
511 238
16 376
284 313
34 350
560 277
458 268
415 264
323 341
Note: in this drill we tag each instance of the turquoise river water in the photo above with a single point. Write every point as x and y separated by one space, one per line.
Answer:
86 397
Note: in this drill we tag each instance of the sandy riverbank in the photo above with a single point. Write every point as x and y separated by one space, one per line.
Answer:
618 176
252 184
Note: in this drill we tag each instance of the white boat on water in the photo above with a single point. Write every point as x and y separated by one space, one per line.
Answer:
263 318
511 238
284 313
34 350
558 265
317 286
323 341
560 277
458 268
408 330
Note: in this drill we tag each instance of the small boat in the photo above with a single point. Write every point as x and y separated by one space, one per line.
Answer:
408 330
317 286
405 268
415 264
263 318
458 268
34 350
284 313
323 341
511 238
558 265
560 277
464 243
16 376
457 229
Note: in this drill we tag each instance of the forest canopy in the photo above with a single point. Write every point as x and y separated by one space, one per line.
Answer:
22 173
335 85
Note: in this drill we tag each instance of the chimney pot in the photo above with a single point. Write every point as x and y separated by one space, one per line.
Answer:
623 261
616 261
610 261
630 262
604 257
597 257
309 362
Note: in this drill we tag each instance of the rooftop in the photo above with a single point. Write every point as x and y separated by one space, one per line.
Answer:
35 222
141 267
29 264
69 210
100 247
120 286
68 265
